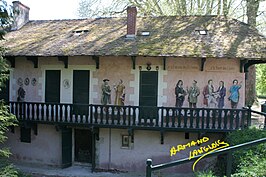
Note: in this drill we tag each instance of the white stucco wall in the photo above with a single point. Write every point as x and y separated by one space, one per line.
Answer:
44 149
147 145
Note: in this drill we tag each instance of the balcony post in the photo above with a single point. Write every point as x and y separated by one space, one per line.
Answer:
249 116
148 167
263 109
229 160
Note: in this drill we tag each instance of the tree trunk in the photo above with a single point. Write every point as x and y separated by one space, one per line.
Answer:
252 10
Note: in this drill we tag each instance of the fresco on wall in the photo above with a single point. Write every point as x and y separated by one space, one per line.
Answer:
234 93
21 94
209 95
221 94
20 81
66 84
27 81
180 94
119 93
106 92
33 82
193 93
211 98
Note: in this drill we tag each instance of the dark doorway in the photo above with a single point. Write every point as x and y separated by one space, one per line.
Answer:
52 86
83 146
148 93
81 80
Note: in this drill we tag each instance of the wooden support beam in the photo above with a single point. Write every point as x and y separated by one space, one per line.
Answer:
164 63
252 62
64 59
242 64
203 60
34 60
97 61
133 59
12 61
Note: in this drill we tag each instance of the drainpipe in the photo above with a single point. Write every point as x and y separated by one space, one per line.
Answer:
109 161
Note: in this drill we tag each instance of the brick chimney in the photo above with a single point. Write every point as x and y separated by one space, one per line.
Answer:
131 22
21 15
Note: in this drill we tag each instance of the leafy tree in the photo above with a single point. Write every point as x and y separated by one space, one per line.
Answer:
6 119
261 79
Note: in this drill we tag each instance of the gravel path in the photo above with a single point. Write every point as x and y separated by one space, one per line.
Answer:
84 171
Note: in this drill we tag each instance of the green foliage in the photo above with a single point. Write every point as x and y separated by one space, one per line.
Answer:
261 79
244 159
6 119
251 165
8 170
243 136
205 174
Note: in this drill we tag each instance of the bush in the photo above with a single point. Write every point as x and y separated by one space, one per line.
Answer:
205 174
245 161
252 166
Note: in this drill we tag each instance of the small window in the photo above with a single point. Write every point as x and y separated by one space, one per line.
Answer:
202 32
25 135
80 32
186 135
125 141
145 33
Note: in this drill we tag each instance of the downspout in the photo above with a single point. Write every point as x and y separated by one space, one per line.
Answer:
109 161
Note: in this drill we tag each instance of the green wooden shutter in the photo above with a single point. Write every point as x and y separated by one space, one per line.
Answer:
52 86
81 91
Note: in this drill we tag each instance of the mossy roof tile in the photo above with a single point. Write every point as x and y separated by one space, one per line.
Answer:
169 36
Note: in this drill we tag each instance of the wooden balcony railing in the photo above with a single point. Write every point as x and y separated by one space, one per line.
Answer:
137 117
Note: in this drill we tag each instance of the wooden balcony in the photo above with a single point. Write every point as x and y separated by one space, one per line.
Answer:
133 117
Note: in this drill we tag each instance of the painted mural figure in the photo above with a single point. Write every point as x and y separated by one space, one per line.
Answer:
209 94
180 94
234 93
221 94
21 94
120 93
193 93
106 93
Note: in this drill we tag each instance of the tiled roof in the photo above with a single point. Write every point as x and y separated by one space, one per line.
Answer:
169 36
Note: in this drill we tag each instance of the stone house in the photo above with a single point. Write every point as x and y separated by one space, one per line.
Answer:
61 65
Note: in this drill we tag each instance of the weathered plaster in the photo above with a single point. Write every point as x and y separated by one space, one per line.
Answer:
146 145
45 148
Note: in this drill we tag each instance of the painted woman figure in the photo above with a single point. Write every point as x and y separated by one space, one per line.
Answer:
106 93
193 93
234 93
120 93
180 94
221 94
